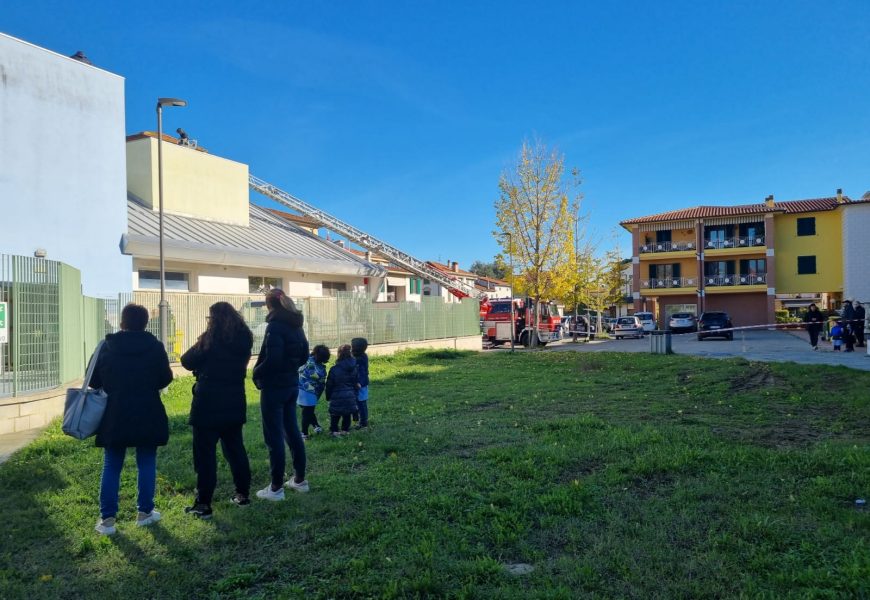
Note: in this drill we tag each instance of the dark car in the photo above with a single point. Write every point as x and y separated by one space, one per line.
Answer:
715 324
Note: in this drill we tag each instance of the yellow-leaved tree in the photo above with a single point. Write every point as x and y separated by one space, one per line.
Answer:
538 208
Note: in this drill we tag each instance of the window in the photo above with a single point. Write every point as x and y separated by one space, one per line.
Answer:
176 282
664 271
260 285
806 265
663 236
806 226
753 266
719 268
331 288
415 285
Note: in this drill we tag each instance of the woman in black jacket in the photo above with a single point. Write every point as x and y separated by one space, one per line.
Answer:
342 391
132 368
276 375
219 360
814 320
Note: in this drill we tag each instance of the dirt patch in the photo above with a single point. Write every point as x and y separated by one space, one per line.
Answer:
589 366
581 469
756 376
646 486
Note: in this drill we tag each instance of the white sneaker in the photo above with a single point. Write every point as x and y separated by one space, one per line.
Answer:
299 487
106 526
267 493
146 519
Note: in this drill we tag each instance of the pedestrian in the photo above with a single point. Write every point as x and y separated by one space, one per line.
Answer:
860 320
837 335
849 326
132 368
342 391
814 319
312 380
276 375
219 361
358 348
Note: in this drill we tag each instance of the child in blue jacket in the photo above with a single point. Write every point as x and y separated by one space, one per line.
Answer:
837 333
312 380
358 347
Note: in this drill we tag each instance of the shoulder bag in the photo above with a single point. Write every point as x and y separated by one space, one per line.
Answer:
85 407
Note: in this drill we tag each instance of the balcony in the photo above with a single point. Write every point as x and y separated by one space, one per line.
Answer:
651 247
724 280
735 242
668 282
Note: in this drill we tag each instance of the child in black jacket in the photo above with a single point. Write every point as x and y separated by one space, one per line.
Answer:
358 347
341 391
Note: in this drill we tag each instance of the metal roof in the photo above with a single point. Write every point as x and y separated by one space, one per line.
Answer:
268 241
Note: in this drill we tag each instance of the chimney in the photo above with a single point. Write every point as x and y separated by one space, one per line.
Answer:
840 198
454 266
769 201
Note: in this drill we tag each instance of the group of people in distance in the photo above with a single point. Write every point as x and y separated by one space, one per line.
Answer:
847 330
133 367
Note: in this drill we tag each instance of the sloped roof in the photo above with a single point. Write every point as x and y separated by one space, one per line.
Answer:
492 280
300 219
268 241
702 212
448 270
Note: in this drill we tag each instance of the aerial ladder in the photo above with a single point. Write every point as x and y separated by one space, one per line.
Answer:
455 286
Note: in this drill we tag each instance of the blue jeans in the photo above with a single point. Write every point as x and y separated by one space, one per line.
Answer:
110 482
278 407
363 408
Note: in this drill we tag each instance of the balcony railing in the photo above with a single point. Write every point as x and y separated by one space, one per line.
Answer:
722 280
666 247
668 282
735 242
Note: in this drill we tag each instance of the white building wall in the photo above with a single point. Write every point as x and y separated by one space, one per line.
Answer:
856 252
62 164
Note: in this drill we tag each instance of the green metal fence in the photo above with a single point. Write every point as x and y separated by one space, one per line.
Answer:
332 321
48 339
52 328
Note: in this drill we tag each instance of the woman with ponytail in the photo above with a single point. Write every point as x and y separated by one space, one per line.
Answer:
276 375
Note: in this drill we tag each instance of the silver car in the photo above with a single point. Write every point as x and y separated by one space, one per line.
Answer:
627 326
682 321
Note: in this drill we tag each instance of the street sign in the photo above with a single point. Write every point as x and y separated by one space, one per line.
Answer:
4 320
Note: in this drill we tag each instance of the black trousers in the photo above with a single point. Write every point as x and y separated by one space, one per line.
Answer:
309 418
333 422
859 332
814 336
849 338
205 460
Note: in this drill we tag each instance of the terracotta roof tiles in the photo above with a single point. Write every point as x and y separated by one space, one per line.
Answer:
701 212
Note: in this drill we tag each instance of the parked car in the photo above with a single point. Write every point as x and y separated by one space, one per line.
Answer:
712 324
682 321
609 323
627 326
647 319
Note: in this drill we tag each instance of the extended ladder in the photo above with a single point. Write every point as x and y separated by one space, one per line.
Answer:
455 286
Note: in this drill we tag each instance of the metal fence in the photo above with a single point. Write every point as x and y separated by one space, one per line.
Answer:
51 327
331 320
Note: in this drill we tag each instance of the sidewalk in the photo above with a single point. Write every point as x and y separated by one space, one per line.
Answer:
12 442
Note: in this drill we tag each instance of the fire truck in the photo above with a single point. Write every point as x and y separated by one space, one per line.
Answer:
532 321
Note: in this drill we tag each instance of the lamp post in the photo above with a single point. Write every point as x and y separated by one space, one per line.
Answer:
163 305
511 282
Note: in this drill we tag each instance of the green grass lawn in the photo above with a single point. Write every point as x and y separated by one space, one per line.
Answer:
612 475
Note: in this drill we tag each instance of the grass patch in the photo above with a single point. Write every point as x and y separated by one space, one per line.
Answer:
610 475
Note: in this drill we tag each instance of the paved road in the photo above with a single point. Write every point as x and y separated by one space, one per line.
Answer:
755 345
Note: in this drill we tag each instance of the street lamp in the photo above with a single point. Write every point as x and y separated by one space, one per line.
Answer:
163 305
511 281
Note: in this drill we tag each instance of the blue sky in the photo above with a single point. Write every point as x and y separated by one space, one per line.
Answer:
399 116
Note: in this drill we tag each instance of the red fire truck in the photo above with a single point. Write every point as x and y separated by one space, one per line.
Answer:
540 320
